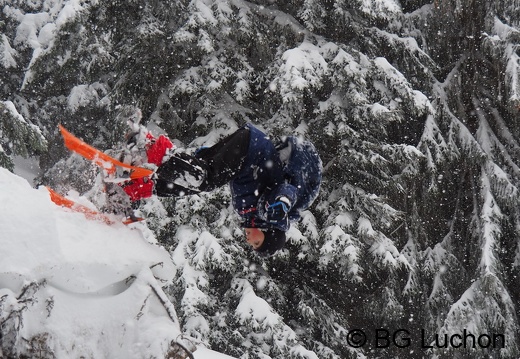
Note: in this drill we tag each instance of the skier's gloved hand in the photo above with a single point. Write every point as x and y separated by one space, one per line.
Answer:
278 210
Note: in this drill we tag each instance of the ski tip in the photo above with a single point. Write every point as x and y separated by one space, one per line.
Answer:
139 172
70 141
63 131
99 157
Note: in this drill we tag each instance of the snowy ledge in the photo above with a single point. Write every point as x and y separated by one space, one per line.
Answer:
72 287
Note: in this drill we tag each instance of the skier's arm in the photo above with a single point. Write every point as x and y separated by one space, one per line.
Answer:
286 190
279 203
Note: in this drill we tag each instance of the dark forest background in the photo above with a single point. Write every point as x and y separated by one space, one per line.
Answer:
413 106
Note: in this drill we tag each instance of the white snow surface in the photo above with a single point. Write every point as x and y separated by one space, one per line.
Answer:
82 299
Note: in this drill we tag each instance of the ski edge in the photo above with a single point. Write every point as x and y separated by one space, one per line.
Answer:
89 213
100 158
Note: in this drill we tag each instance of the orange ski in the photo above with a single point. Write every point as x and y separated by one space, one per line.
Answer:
76 207
89 213
100 158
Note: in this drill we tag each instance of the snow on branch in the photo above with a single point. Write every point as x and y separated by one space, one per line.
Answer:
415 58
506 39
261 324
496 151
199 25
490 228
208 250
382 248
304 235
513 73
312 14
37 31
17 136
398 83
433 146
484 308
253 310
302 68
201 14
84 95
343 250
382 9
7 53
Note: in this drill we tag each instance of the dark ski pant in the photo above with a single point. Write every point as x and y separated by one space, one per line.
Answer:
208 169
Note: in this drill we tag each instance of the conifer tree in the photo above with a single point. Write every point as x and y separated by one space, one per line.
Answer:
17 136
413 108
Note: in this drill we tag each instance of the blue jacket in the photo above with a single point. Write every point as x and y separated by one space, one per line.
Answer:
292 169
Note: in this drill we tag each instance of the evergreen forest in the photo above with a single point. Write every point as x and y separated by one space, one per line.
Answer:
413 105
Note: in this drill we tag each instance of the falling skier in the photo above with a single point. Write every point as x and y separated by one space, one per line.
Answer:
270 184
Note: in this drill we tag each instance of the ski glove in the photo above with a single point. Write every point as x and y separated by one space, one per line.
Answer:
278 210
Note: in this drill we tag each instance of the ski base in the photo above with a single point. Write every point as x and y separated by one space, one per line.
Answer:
88 212
100 158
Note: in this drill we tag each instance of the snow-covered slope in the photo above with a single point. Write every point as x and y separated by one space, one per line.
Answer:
72 287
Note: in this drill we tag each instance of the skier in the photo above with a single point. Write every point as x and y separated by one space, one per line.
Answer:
270 184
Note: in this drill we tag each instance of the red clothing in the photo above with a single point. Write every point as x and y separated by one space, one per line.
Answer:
155 151
139 188
157 148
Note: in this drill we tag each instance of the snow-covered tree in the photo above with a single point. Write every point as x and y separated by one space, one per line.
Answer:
413 106
17 136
